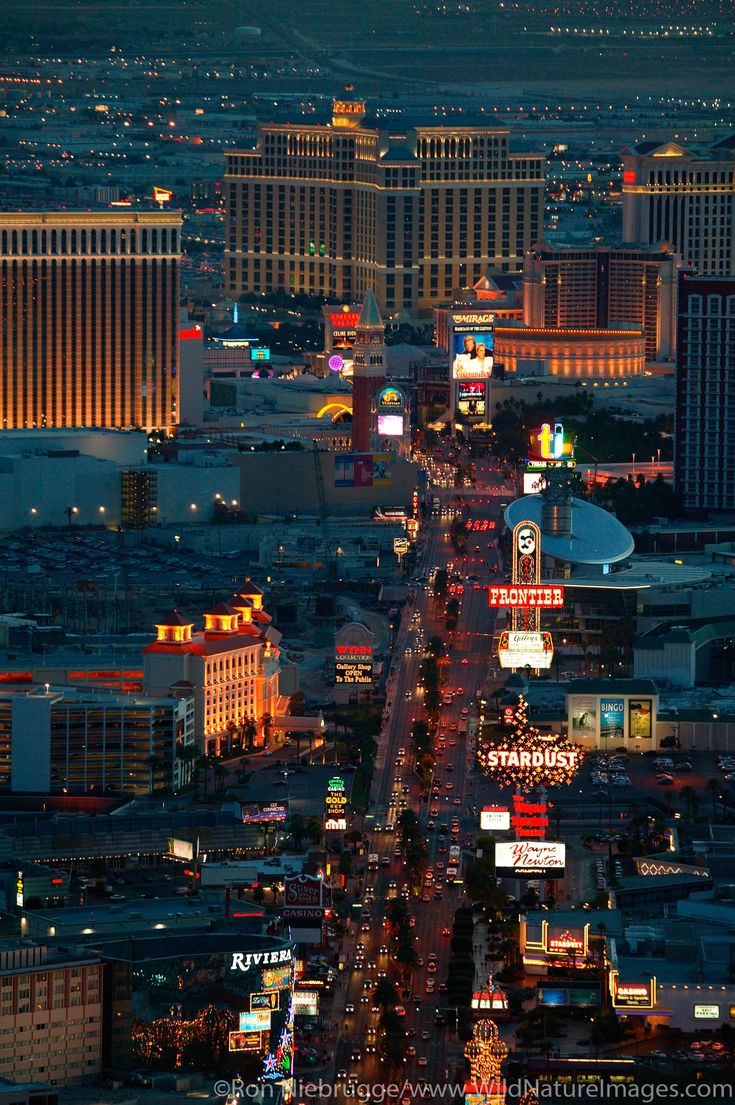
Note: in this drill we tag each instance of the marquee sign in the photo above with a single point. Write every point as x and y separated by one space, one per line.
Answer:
525 650
526 859
634 995
533 595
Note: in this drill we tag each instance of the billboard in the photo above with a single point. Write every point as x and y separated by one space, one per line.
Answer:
530 859
259 1021
532 595
612 718
533 483
275 978
362 470
583 713
390 425
306 1003
472 353
254 812
179 849
264 1001
581 997
640 718
525 650
246 1041
494 817
471 402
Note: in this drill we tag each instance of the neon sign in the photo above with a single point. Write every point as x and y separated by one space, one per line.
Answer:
550 447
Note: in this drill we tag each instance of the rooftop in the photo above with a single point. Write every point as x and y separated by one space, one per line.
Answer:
597 536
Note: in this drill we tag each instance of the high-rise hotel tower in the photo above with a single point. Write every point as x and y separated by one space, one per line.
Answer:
89 307
337 209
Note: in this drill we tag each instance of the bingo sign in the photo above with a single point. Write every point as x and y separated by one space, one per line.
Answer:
335 806
336 363
353 656
612 718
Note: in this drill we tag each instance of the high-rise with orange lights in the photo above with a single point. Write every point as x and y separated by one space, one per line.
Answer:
337 208
89 306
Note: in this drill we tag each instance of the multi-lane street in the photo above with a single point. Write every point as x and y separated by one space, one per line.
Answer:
432 1055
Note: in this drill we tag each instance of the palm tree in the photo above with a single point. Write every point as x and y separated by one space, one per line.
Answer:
265 722
154 765
314 829
204 763
249 731
186 754
297 829
406 956
713 788
386 994
220 774
688 794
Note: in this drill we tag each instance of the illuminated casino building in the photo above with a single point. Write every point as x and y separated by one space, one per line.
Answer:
89 307
232 665
586 354
684 195
587 295
337 208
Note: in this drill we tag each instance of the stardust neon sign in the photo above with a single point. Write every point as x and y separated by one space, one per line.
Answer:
549 757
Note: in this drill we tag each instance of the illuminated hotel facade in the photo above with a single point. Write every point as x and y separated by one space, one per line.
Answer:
683 195
232 665
704 437
337 209
89 306
603 287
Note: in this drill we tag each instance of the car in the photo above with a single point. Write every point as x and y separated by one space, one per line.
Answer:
431 968
393 885
442 987
425 1035
449 785
452 743
364 999
422 1061
407 695
456 801
434 812
665 780
350 1007
372 965
365 926
383 949
450 767
411 1050
341 1073
356 1055
446 932
119 897
440 1020
400 1011
621 781
453 728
